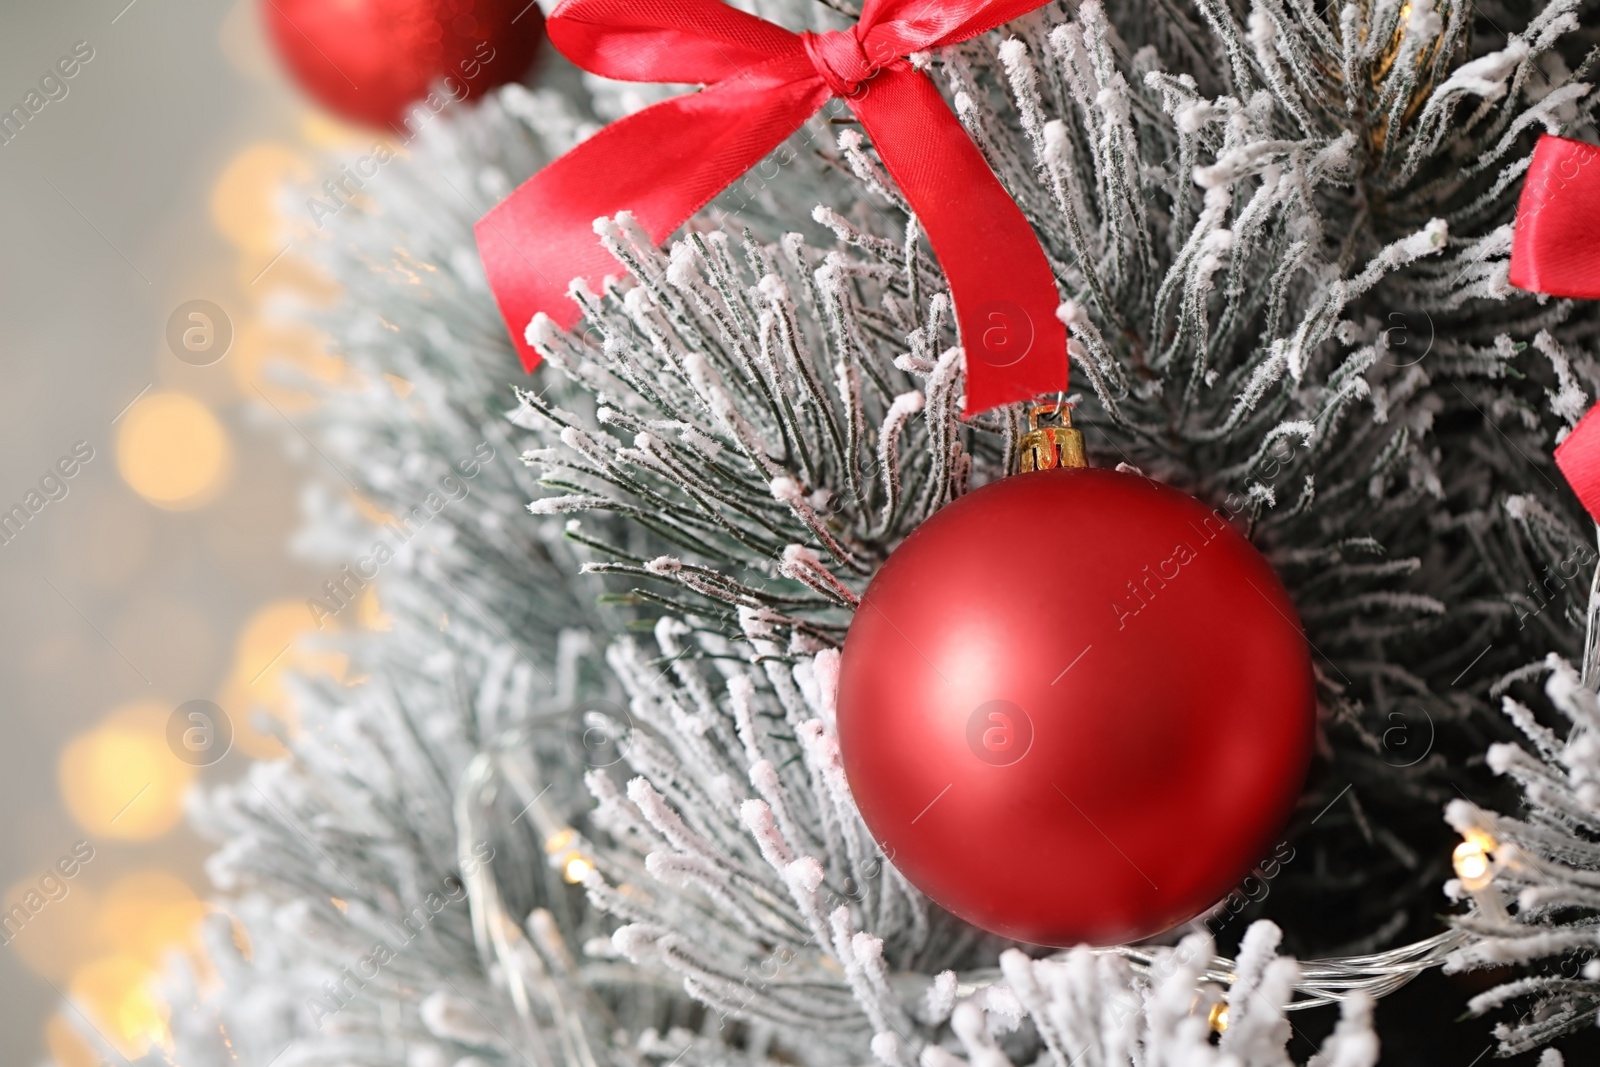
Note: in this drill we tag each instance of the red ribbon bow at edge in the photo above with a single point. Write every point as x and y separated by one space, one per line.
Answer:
1556 250
762 83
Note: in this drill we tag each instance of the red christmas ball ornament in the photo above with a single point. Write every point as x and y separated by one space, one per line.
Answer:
366 60
1076 706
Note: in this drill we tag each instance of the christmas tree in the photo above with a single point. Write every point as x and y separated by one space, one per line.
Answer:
588 806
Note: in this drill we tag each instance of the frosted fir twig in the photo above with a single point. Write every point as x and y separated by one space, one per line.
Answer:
1237 215
1534 898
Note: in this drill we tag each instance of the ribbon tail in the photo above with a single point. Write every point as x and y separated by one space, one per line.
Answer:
1579 459
663 164
1554 247
1004 290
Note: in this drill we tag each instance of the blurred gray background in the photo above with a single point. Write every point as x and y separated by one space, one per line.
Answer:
161 574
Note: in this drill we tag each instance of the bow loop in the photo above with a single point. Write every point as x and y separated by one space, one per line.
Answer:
762 83
694 42
1553 251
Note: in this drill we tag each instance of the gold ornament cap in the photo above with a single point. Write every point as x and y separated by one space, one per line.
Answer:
1046 447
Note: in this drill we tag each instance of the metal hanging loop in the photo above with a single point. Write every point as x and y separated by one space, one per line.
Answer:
1048 446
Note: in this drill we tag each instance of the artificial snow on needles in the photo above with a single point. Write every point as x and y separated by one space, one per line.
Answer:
1246 212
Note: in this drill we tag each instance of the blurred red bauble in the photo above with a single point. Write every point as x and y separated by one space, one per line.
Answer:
1076 706
366 60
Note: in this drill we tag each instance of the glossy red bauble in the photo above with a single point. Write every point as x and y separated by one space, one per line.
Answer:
1076 706
366 60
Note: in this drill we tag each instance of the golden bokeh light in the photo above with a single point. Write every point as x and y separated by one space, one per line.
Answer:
147 914
276 639
244 201
120 780
116 993
257 205
172 451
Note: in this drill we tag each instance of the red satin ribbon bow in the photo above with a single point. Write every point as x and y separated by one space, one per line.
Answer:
762 83
1556 250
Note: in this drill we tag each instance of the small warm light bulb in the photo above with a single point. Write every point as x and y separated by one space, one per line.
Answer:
1218 1018
560 841
1472 865
577 869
